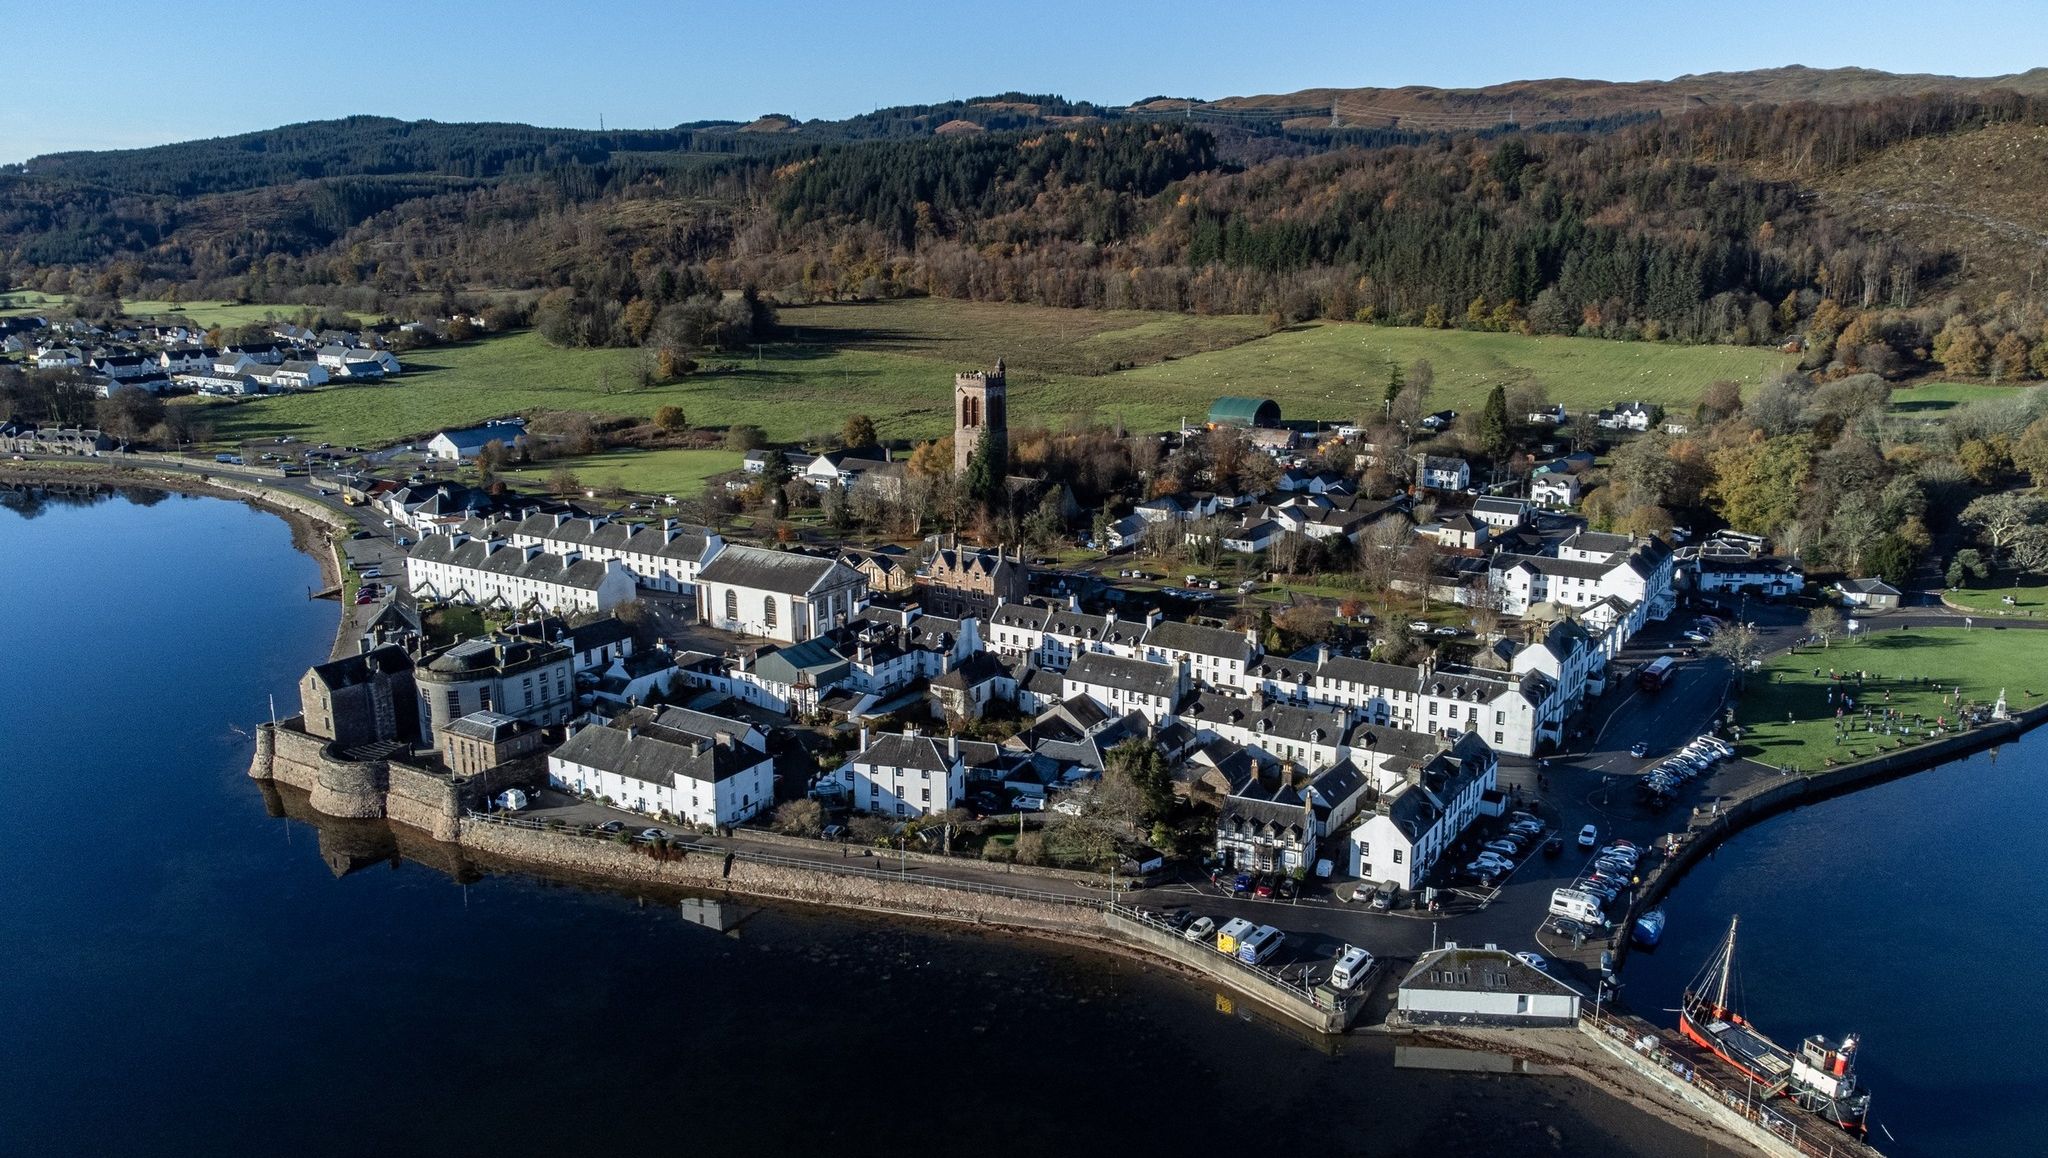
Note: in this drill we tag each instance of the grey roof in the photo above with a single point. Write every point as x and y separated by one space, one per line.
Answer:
600 633
1174 635
488 652
476 437
1495 505
783 572
653 754
1868 587
1599 542
1548 565
488 726
1131 675
497 558
925 753
1463 970
349 671
1302 725
1366 673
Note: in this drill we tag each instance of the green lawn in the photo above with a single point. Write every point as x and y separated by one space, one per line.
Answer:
2029 593
649 472
1984 661
1934 398
200 313
1338 370
895 361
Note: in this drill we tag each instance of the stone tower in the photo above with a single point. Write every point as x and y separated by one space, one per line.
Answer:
978 402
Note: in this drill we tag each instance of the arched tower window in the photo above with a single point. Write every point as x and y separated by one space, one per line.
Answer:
732 605
768 611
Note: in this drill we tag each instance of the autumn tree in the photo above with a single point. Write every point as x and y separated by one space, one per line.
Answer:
858 432
671 419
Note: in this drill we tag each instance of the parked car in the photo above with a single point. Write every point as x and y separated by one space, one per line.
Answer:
1201 930
1419 625
1533 960
1263 887
1242 884
612 826
1503 847
1553 846
1589 836
1696 636
833 832
1639 749
653 834
1445 631
1285 888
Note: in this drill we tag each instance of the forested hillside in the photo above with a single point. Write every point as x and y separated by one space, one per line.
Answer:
1703 226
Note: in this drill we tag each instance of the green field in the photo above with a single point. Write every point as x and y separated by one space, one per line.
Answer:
2029 594
1934 398
1984 661
14 302
1338 371
651 472
894 361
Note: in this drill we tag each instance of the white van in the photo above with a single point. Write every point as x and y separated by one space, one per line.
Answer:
1350 968
1263 943
1579 906
1234 931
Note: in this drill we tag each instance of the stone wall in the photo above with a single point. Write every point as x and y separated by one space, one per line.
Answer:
1071 876
565 852
360 789
1708 833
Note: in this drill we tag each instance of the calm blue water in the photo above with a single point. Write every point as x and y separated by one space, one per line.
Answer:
188 972
1911 913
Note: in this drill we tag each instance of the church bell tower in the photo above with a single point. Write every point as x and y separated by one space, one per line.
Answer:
979 404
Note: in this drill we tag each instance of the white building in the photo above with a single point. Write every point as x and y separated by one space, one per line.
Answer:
1487 987
910 774
493 573
457 445
1436 473
1555 490
1636 416
665 556
694 767
1419 816
1123 686
785 595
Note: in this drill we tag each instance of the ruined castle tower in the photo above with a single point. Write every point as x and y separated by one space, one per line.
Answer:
978 403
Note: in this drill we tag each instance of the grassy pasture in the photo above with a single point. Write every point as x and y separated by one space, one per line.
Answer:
894 361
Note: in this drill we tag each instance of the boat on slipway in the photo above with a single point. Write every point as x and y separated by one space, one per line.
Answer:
1821 1076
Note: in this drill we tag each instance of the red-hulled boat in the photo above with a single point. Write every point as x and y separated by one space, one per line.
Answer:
1821 1076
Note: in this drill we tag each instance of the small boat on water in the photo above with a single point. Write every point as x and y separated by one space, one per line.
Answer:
1649 928
1821 1077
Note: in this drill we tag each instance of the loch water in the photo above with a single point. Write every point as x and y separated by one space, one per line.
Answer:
193 966
1910 913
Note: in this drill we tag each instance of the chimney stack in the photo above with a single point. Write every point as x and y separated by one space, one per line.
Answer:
863 738
953 747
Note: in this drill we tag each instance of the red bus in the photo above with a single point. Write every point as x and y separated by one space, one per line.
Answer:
1657 675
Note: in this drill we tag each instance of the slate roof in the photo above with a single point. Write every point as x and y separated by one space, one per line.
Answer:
500 559
1130 675
783 572
488 726
1174 635
352 670
1463 970
653 754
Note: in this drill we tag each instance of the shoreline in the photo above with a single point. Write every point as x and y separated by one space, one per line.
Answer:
312 530
319 523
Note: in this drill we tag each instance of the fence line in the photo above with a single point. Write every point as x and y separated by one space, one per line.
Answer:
1752 1108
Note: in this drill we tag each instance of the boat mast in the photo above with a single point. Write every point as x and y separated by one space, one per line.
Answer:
1727 966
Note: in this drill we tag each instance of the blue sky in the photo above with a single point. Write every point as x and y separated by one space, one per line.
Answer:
210 69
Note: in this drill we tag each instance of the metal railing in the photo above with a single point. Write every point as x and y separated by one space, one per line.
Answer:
1820 1140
